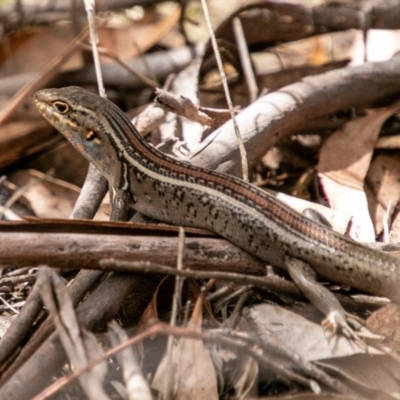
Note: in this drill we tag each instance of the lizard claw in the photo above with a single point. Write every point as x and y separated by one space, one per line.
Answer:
351 326
337 321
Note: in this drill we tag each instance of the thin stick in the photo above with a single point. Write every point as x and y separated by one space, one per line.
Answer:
94 39
94 188
386 222
242 150
176 301
245 59
9 305
113 55
266 282
164 329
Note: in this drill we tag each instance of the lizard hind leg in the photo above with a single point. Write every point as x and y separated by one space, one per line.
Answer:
337 319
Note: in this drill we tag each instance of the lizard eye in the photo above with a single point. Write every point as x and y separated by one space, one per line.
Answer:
61 107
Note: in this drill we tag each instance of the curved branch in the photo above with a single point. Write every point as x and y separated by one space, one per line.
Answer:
280 114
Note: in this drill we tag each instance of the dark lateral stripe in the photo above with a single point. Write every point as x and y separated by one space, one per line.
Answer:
269 206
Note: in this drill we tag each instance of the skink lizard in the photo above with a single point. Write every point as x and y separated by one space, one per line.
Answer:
176 192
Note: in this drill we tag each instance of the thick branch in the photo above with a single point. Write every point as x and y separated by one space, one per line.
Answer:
279 114
83 250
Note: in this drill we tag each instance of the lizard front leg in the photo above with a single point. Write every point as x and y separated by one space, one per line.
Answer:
120 202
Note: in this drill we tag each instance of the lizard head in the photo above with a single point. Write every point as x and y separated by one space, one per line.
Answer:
89 122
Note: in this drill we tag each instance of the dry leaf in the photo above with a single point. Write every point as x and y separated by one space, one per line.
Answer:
375 375
49 197
136 39
245 376
190 368
383 184
21 139
28 52
386 322
299 334
343 165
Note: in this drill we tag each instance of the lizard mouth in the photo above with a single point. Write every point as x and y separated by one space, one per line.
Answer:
39 101
38 98
42 107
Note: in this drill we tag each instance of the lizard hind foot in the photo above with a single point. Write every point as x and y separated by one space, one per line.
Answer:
350 326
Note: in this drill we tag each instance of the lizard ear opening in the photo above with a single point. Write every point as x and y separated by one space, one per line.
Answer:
90 135
61 107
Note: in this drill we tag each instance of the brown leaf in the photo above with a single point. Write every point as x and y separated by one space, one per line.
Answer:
190 367
386 322
343 165
49 197
383 192
21 139
28 52
299 334
136 39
